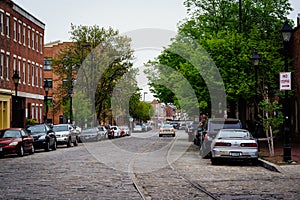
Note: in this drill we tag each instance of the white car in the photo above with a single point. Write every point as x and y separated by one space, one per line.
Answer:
167 129
125 131
234 144
117 131
137 128
66 134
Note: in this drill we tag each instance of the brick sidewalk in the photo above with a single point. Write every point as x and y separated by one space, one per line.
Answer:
278 151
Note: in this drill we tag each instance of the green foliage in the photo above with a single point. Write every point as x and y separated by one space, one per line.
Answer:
275 121
30 121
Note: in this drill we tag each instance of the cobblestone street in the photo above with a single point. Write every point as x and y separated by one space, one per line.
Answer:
99 171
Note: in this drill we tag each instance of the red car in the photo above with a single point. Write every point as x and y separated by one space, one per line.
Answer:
15 141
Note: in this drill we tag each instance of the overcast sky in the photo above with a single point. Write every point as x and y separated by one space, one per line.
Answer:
124 15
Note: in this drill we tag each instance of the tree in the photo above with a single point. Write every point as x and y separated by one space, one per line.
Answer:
96 59
213 24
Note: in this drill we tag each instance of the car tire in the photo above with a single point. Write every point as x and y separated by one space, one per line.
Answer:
214 161
54 146
32 150
47 147
160 135
69 143
254 161
76 142
21 151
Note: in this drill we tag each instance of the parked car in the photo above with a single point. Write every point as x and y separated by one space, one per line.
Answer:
15 141
125 131
211 130
117 131
43 135
110 132
167 129
90 134
137 128
103 131
66 134
234 144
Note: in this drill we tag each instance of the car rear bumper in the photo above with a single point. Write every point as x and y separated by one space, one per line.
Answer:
234 153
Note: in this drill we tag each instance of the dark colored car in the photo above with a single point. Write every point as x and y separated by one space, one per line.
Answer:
15 141
110 132
212 128
44 137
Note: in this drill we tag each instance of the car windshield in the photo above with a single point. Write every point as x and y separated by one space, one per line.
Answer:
10 134
60 128
90 130
234 134
37 129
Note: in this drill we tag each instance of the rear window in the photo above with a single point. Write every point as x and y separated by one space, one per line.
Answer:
215 126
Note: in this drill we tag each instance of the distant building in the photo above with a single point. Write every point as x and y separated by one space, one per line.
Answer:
21 51
56 115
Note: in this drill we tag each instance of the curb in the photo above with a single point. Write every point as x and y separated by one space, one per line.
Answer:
268 165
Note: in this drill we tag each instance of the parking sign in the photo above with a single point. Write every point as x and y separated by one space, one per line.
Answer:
285 80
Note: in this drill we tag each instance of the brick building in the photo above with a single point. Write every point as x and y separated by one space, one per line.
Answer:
295 56
54 116
21 51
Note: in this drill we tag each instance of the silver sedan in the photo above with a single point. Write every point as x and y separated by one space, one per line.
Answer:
234 144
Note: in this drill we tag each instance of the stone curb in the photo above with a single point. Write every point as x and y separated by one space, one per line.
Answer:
268 165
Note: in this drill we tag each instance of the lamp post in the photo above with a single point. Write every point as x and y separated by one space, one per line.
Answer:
144 95
71 102
256 59
286 33
46 88
16 79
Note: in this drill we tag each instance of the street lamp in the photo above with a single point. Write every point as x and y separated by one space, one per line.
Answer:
286 33
16 79
144 95
71 102
46 88
256 59
15 118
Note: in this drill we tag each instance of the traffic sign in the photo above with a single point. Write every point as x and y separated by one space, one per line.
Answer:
285 81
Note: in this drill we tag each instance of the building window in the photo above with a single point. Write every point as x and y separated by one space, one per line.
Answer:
32 74
15 29
7 25
32 111
19 32
1 64
32 39
37 42
49 82
15 63
48 64
28 37
65 82
24 71
41 112
41 76
28 73
1 22
41 43
24 34
36 111
37 76
7 66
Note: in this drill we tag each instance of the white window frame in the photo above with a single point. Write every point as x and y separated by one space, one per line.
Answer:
19 67
41 112
32 73
37 75
7 65
2 21
32 111
36 111
7 25
28 36
15 29
37 41
19 32
32 39
15 62
41 76
28 72
24 71
2 53
41 43
24 34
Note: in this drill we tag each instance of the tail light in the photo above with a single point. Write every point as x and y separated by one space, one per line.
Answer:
222 144
248 145
173 130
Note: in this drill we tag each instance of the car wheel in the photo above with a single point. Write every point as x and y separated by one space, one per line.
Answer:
254 161
76 142
47 147
21 151
214 161
159 135
69 143
54 146
31 150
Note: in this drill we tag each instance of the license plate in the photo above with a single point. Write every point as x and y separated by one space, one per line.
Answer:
0 148
235 154
87 138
